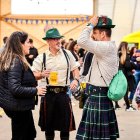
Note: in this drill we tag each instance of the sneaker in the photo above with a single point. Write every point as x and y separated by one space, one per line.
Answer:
130 109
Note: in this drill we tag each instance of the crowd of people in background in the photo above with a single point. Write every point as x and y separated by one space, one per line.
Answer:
72 59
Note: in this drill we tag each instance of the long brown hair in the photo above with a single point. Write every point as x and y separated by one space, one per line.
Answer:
72 45
13 49
123 51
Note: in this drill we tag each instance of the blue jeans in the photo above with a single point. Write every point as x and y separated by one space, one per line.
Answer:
137 79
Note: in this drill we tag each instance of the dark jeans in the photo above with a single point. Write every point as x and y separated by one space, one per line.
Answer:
63 135
22 125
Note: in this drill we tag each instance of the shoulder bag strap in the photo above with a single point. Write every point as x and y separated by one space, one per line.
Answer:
44 66
68 65
101 74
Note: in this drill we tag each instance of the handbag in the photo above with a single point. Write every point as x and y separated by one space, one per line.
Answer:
81 95
117 87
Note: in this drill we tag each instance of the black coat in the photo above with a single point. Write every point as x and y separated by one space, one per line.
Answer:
19 86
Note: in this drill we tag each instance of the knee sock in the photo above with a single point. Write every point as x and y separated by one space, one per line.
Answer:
49 135
64 135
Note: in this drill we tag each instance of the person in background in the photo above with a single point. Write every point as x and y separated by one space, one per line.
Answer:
2 48
17 77
132 51
63 43
58 114
99 119
4 43
73 48
85 87
127 66
135 58
87 63
70 40
33 53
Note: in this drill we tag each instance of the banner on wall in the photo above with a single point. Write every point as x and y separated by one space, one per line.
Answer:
47 21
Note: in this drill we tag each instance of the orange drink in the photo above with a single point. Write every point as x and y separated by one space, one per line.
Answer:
53 78
83 85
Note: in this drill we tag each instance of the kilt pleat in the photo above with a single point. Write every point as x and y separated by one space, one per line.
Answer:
99 119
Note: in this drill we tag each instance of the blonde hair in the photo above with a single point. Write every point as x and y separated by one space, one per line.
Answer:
123 50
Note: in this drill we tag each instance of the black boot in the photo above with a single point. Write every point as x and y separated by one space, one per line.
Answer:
64 135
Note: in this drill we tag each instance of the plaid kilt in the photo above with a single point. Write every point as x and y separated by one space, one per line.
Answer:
56 113
98 120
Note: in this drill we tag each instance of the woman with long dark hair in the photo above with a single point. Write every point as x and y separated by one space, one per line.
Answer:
18 80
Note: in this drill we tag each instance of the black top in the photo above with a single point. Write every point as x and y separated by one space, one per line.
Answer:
87 63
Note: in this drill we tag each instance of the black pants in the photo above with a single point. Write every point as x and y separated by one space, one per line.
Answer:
126 99
22 125
51 134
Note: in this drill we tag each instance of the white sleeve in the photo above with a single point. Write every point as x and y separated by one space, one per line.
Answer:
96 47
37 63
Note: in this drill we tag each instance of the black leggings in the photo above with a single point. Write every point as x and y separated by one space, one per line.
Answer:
51 134
126 99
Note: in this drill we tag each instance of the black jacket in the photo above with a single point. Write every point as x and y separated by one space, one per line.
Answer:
19 85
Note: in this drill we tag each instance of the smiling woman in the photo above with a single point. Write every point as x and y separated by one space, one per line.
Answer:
52 7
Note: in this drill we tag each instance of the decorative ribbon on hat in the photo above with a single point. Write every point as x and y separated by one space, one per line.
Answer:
104 20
